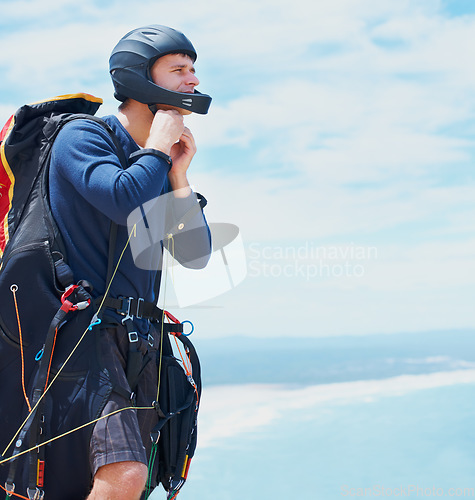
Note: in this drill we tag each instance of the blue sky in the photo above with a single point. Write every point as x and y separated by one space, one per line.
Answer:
340 141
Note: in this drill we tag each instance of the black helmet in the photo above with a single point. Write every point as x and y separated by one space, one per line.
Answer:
132 59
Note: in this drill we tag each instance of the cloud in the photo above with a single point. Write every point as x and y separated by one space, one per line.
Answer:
48 62
229 411
316 207
332 122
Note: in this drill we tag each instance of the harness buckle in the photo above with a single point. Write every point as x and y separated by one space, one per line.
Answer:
150 340
9 488
139 302
125 307
35 494
133 337
155 436
128 306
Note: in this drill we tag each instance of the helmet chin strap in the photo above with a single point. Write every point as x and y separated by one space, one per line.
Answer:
155 107
171 107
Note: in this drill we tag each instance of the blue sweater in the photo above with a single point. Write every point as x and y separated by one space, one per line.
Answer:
89 188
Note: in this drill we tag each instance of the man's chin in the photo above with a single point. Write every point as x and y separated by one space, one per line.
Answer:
166 107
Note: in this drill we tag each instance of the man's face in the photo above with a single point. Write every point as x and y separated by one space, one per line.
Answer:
175 72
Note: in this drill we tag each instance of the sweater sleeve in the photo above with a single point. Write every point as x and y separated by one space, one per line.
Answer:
85 155
192 237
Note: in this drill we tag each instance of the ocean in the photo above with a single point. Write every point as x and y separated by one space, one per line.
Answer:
346 417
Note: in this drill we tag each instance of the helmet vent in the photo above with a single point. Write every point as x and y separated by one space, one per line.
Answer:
151 34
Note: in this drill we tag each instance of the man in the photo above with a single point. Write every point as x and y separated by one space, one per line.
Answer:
152 69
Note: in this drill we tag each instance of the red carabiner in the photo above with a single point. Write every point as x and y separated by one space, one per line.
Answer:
171 317
68 305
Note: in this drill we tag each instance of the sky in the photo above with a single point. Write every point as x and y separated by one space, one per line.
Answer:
340 142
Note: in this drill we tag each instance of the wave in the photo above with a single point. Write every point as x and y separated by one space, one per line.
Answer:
230 410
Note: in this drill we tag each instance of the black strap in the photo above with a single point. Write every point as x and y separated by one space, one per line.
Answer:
140 308
63 272
124 165
65 278
113 227
137 357
149 151
110 258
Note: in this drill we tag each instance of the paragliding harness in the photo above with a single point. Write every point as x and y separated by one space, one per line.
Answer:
54 386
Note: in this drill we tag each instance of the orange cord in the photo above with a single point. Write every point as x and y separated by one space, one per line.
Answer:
14 288
188 369
14 494
185 363
187 366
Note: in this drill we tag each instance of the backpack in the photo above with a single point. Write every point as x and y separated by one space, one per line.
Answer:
48 332
175 435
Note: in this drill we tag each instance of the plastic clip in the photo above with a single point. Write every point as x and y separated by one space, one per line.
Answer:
192 327
94 321
39 354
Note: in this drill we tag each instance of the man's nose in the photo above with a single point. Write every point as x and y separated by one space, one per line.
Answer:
193 80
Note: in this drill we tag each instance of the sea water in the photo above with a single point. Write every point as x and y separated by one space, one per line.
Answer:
411 435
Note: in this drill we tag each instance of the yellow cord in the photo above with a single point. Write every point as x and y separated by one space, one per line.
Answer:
169 237
74 349
76 429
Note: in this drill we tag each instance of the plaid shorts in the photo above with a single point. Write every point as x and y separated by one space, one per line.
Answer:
125 436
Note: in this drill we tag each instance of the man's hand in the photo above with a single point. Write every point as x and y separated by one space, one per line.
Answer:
182 153
167 128
169 135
